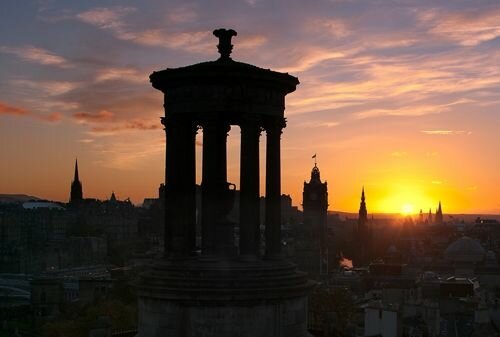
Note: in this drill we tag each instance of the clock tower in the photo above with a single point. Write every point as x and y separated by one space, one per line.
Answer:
312 236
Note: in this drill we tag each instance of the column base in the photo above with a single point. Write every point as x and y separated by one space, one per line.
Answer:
223 298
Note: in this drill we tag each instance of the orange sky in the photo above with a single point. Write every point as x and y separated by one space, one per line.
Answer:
401 98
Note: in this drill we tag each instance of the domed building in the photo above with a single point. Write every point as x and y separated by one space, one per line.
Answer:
465 251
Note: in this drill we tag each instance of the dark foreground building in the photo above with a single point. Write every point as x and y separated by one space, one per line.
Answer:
222 291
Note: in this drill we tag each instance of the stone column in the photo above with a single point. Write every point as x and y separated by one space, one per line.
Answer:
273 190
167 236
249 190
180 187
214 182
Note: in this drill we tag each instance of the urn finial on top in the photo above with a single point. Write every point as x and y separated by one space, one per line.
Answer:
225 47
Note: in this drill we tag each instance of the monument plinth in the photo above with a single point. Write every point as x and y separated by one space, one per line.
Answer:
222 291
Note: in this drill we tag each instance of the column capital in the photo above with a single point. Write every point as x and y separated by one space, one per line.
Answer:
171 121
212 124
253 126
274 125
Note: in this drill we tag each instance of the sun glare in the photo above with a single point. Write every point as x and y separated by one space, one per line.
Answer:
407 209
403 197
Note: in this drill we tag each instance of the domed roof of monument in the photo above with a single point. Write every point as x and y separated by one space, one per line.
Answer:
224 69
466 250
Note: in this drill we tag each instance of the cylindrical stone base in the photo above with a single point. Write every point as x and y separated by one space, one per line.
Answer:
160 318
223 298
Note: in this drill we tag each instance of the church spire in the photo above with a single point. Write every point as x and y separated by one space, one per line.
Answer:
76 194
363 234
439 214
363 213
76 178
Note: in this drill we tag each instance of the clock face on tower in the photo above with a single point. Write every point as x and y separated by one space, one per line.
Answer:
314 196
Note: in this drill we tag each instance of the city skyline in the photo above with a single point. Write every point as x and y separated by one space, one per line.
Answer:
398 97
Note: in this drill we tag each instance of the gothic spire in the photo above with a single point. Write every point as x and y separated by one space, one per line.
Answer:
76 193
76 171
439 214
363 213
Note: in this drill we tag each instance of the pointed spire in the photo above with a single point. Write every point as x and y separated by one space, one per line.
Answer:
76 193
439 214
76 178
363 214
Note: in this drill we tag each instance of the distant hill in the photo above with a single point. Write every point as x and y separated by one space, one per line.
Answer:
16 198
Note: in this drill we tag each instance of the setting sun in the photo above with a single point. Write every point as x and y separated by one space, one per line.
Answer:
407 209
400 195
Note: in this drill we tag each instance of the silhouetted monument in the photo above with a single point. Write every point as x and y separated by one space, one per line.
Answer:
76 194
222 291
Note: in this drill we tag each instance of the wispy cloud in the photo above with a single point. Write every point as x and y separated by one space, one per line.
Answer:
107 18
197 41
468 28
182 15
100 116
317 124
129 125
305 58
122 74
37 55
47 88
124 155
6 109
446 132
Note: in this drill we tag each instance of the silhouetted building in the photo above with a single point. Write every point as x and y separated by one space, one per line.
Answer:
76 194
311 241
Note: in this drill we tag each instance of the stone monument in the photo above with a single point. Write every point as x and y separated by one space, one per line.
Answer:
224 290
